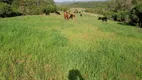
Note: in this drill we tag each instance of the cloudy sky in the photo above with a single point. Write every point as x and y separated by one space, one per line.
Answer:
74 0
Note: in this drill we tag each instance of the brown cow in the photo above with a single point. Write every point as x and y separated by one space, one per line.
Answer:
66 15
72 16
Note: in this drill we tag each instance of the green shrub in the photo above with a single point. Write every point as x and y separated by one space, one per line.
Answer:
136 15
49 9
139 7
133 19
108 14
123 16
59 8
5 10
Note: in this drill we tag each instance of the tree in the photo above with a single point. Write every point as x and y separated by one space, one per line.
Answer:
26 7
121 5
135 2
7 1
32 6
137 10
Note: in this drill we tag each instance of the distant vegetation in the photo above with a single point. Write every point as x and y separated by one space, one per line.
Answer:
128 11
10 8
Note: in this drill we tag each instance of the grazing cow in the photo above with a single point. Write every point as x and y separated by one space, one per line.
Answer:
66 15
69 13
80 14
57 13
72 16
104 19
100 18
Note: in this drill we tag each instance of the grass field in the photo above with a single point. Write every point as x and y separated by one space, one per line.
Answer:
51 48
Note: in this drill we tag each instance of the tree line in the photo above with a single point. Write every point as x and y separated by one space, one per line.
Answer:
10 8
127 11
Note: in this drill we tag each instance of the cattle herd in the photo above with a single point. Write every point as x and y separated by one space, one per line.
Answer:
68 15
104 19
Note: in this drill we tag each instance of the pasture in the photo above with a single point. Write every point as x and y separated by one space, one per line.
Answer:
51 48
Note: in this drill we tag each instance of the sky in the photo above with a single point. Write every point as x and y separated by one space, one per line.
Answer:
74 0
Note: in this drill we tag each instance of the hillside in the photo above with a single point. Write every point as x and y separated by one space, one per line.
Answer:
94 4
51 48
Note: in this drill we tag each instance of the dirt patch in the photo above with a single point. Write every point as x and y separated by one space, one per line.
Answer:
128 77
47 68
86 34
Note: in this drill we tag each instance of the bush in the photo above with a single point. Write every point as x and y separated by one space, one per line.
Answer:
59 8
49 9
114 17
136 15
133 19
108 14
5 10
122 16
139 7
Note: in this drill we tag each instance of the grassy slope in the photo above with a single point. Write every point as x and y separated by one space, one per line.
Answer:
95 4
48 47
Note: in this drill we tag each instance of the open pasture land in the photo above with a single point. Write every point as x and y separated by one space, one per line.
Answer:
51 48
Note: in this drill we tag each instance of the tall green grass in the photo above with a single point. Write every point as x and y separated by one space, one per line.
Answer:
49 47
